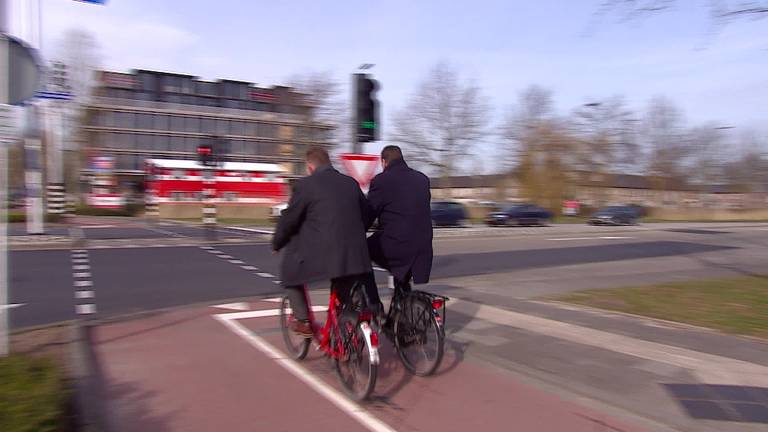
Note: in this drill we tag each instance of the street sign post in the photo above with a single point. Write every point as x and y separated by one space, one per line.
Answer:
361 167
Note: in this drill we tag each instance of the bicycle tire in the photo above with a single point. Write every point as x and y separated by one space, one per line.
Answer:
298 348
405 331
357 356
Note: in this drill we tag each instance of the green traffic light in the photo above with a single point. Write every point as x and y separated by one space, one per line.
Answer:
368 125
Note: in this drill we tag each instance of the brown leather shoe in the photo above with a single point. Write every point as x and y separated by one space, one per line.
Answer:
302 328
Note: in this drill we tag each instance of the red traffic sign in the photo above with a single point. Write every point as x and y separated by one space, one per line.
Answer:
361 167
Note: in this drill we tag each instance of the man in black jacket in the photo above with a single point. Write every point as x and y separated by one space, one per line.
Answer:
323 234
401 200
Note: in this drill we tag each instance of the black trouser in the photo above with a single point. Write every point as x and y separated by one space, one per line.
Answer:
373 290
297 294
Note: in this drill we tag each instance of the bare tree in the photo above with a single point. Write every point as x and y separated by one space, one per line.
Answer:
606 131
722 11
533 108
328 105
707 160
536 145
443 121
664 136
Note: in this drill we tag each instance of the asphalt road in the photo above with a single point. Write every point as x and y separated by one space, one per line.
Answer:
120 280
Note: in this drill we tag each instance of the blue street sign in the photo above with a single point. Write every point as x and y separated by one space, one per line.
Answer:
93 1
53 95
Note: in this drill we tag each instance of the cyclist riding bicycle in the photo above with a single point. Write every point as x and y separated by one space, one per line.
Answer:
399 198
323 234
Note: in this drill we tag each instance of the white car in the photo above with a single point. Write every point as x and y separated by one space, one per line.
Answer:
277 210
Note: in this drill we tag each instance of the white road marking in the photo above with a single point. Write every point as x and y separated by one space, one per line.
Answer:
571 238
248 267
615 238
253 230
379 269
226 257
83 283
277 282
236 261
265 275
11 306
83 294
708 368
341 401
81 267
131 245
79 251
217 252
206 247
273 299
240 306
82 275
97 226
80 260
85 309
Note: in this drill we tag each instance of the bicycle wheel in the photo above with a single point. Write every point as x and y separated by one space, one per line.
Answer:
297 346
357 371
419 338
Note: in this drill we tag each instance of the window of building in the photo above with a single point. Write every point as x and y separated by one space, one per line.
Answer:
126 141
267 130
161 122
237 128
144 142
251 129
230 196
144 121
161 142
222 127
177 124
177 143
208 125
269 149
191 144
177 196
192 124
124 120
172 98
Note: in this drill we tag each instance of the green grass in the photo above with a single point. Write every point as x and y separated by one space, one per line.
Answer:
735 305
32 395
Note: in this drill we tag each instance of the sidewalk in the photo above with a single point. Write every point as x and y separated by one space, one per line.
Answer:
186 370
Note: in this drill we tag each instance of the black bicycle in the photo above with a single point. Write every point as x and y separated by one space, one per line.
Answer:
414 322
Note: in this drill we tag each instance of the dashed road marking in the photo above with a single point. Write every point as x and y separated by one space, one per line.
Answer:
265 275
81 267
236 261
83 294
85 309
83 283
249 267
82 275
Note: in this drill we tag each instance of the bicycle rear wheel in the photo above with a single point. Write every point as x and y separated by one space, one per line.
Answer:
419 338
357 371
297 346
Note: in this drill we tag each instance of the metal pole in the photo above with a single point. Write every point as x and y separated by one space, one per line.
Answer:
4 277
209 205
355 143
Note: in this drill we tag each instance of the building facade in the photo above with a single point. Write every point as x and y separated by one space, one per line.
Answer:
145 114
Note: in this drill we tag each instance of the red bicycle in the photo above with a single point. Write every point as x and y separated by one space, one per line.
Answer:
346 338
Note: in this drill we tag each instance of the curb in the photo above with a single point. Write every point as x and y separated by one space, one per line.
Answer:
90 395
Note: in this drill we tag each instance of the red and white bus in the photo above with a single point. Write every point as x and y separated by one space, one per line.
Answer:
179 181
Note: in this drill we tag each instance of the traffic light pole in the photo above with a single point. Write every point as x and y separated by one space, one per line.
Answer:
209 203
356 145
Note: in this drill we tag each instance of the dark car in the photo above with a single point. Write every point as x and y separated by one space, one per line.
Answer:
448 213
615 215
519 214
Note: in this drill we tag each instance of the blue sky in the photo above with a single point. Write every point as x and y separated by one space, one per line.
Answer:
503 45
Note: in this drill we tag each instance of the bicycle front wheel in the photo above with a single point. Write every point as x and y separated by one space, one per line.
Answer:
356 370
419 337
297 346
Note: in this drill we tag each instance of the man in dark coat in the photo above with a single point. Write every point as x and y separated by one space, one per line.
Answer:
323 234
400 198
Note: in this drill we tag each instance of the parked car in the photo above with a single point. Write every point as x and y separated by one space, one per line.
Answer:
614 215
448 213
519 214
276 211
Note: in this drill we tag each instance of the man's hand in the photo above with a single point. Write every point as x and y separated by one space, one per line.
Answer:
274 252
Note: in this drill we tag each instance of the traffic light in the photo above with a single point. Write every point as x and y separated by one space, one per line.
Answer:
205 155
366 108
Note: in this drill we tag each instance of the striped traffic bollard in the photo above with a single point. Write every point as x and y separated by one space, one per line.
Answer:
209 209
150 206
56 198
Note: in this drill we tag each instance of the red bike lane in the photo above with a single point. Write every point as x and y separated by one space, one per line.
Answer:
207 369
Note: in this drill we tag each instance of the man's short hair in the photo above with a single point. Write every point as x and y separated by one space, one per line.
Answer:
391 152
318 156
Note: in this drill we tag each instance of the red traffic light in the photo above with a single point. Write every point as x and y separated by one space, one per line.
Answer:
204 150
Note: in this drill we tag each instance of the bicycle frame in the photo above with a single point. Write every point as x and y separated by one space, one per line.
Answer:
322 335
